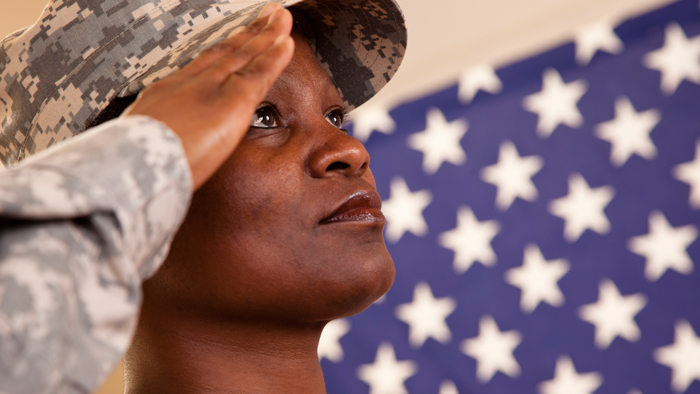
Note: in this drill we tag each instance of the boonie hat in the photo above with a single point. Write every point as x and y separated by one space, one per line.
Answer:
57 75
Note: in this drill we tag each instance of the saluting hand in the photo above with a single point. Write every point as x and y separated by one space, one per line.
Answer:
209 102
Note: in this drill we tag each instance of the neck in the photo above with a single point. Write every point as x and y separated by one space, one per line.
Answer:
191 357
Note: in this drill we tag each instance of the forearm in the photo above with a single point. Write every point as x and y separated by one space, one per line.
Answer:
80 227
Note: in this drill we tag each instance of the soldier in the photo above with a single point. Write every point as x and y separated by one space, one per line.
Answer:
282 235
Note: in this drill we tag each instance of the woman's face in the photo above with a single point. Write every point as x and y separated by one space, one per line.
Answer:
290 227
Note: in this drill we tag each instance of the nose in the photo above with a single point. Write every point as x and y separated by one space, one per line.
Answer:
339 154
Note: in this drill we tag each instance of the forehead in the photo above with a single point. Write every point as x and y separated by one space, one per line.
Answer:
304 75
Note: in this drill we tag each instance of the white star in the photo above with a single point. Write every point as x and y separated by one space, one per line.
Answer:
537 279
677 60
582 208
556 103
629 132
683 357
613 315
448 387
593 38
664 247
329 344
493 350
470 240
404 210
481 77
386 375
439 142
568 381
511 175
426 316
366 120
689 173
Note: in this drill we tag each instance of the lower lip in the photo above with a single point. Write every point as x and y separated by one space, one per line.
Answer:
363 215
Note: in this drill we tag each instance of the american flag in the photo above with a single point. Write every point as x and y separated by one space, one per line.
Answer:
543 219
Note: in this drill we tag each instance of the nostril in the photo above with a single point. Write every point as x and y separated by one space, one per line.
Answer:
337 166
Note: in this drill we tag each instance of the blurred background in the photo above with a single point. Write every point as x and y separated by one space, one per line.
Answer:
448 36
561 144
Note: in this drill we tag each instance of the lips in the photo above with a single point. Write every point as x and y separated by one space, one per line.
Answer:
363 206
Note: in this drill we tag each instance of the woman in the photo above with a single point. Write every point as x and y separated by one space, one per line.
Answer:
283 234
286 236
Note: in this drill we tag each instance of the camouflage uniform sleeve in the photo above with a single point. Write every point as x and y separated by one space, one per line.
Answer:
81 225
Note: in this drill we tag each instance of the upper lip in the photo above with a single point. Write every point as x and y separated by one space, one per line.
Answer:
357 200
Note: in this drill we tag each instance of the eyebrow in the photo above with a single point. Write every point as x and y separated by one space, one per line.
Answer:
328 85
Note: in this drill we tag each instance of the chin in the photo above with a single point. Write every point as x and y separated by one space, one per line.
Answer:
354 285
312 282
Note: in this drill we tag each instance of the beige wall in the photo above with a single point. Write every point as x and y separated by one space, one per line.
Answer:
15 14
445 37
115 383
445 40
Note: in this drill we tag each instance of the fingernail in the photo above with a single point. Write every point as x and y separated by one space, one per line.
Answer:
267 10
280 39
236 31
275 15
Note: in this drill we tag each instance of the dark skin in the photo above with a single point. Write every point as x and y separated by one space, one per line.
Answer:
284 237
209 102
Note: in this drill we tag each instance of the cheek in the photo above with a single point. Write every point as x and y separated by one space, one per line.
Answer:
253 204
231 235
251 246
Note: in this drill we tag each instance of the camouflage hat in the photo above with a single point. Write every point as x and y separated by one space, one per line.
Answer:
60 73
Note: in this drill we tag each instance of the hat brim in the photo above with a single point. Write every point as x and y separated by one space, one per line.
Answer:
60 73
359 43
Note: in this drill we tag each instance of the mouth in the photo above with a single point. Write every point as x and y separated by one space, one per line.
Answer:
362 206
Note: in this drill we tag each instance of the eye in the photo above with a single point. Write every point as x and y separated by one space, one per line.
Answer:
264 117
336 117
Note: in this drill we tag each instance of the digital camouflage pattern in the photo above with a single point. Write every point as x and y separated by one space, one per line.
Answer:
84 223
81 227
58 74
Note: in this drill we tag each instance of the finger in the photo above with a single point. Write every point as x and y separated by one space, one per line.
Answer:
236 39
258 76
245 92
280 26
210 55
